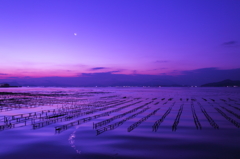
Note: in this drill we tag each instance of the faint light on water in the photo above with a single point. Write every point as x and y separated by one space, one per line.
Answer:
71 140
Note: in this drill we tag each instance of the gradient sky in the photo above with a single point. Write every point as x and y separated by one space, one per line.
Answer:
66 38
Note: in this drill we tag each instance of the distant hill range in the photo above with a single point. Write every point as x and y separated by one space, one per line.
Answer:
224 83
5 85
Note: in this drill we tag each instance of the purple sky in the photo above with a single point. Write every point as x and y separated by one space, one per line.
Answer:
71 38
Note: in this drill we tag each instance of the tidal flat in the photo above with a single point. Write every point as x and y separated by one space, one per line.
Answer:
116 122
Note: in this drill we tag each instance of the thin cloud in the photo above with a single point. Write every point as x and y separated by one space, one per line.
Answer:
98 68
114 71
230 43
3 74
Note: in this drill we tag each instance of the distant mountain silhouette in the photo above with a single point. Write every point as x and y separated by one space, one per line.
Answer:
223 83
7 85
4 85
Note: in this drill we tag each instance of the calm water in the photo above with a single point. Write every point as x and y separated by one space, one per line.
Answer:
187 123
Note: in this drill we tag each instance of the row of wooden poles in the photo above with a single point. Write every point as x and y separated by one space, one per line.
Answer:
77 114
217 108
47 117
44 117
117 124
104 122
63 127
157 123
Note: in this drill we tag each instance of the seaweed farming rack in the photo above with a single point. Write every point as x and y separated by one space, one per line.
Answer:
108 112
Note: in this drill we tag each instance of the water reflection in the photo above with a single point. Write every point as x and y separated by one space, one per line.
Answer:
71 140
